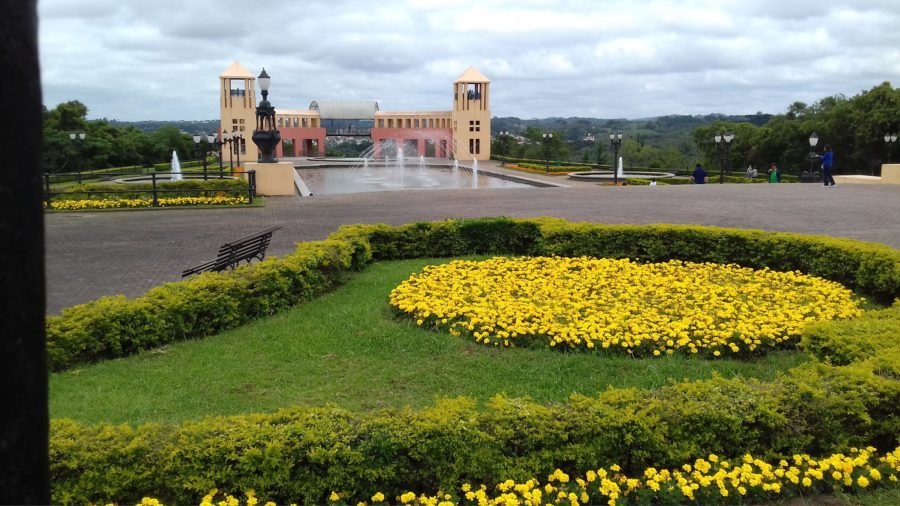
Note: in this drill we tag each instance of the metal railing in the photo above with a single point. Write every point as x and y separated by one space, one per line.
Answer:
155 191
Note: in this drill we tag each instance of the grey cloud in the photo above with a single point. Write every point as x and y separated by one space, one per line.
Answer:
632 58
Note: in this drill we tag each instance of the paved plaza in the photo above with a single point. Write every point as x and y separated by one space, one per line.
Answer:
92 254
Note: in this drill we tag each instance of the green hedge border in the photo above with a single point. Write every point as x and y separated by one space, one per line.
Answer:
849 397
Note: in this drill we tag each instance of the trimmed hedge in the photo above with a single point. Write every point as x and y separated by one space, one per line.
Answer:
850 398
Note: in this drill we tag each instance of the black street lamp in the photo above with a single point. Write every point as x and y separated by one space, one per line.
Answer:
227 139
215 146
201 152
813 141
890 139
723 143
502 143
615 139
239 145
78 140
266 136
548 138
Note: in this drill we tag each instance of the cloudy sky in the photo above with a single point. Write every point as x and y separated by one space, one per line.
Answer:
160 59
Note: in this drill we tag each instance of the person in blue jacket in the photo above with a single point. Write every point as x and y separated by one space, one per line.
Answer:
699 175
827 159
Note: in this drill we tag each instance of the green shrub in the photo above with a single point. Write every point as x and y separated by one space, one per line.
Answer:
848 341
554 167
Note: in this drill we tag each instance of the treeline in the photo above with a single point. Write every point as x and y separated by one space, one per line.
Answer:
854 127
106 144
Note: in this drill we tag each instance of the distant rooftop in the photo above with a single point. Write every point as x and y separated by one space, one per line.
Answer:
345 109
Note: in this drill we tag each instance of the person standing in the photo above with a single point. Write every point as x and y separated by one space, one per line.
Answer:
827 159
699 175
774 174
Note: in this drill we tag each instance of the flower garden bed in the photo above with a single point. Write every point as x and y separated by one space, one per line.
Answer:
186 193
849 397
642 309
710 480
74 205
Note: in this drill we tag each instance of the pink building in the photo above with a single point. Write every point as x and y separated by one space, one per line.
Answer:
462 132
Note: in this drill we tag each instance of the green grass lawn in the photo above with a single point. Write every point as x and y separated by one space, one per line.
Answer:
347 348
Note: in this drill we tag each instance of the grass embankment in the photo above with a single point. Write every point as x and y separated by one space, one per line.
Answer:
348 348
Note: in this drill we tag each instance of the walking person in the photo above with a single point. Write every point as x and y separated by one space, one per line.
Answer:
827 159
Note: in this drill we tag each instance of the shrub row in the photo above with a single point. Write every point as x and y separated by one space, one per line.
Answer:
307 453
850 398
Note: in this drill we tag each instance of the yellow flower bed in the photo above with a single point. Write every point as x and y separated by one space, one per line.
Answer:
712 480
73 205
588 303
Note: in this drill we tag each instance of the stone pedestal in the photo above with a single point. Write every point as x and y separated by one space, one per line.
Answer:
890 173
273 179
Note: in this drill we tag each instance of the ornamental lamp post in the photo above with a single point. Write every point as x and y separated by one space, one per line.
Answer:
890 139
239 144
615 139
215 146
266 136
227 139
813 141
78 140
503 139
201 152
723 143
548 138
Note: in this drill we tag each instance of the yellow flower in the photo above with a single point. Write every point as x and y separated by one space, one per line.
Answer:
334 497
378 497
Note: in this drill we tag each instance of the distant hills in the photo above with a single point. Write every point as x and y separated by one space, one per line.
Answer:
191 127
654 130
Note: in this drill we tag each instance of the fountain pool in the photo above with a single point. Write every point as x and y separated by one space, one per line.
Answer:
340 176
340 180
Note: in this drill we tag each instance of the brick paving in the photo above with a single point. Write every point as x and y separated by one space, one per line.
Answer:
92 254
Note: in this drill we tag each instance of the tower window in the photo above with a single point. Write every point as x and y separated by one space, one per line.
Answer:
475 126
475 146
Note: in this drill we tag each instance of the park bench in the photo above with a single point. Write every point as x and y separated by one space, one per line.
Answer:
233 253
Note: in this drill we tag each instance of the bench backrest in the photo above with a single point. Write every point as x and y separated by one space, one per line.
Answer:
245 248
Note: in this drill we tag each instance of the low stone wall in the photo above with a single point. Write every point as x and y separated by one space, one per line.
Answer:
890 173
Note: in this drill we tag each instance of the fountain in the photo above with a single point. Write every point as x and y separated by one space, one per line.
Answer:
383 168
607 175
176 168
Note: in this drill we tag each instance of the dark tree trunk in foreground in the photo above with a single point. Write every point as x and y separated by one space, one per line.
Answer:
24 468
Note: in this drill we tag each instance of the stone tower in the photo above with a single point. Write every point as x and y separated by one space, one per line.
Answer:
237 110
471 116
